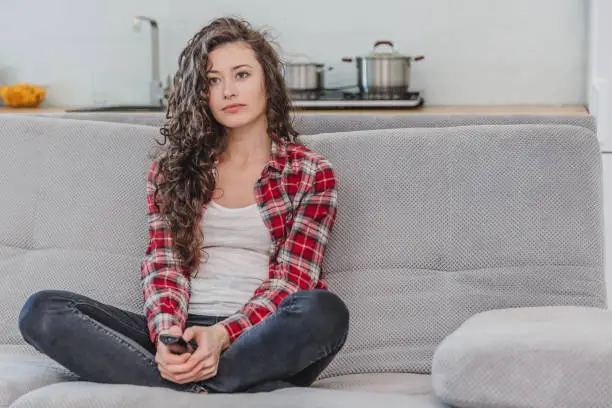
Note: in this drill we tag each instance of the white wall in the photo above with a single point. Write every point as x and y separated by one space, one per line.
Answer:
600 105
477 51
600 68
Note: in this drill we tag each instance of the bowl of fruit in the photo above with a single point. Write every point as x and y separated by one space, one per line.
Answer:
23 95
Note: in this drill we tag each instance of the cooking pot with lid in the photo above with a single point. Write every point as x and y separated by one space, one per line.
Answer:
384 72
305 76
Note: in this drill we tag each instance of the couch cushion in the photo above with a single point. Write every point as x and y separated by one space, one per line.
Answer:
84 394
403 383
23 369
73 214
436 225
543 357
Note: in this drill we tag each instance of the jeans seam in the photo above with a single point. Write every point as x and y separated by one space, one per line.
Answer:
193 387
112 334
79 303
74 302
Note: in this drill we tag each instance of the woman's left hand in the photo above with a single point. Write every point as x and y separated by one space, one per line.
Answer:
203 363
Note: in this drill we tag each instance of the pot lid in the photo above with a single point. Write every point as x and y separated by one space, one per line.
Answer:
392 53
301 59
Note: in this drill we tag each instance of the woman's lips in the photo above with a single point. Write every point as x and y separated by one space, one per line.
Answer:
233 108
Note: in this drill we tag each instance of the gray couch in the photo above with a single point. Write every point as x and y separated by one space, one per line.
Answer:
469 249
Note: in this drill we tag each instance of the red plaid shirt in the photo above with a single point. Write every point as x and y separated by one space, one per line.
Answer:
297 196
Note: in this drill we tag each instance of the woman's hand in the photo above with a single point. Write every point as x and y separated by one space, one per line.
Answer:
203 363
165 358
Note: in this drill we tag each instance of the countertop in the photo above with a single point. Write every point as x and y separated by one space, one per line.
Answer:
454 109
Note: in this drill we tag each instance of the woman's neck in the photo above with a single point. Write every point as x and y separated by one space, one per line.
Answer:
248 143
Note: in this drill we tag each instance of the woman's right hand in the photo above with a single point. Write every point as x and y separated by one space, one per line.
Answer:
166 360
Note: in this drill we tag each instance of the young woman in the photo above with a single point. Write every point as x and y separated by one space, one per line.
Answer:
239 218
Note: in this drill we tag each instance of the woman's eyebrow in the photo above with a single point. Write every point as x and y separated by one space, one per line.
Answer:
240 66
212 71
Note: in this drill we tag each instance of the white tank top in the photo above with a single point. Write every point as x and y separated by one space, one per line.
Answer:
238 245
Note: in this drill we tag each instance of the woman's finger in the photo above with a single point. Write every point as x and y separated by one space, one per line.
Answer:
168 358
191 363
208 373
191 374
209 369
211 363
165 374
169 368
171 377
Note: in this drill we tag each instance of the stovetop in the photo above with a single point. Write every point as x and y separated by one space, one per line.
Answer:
342 99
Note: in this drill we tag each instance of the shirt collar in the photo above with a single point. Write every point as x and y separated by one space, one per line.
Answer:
278 155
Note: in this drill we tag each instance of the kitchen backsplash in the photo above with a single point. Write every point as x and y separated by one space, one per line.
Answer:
477 51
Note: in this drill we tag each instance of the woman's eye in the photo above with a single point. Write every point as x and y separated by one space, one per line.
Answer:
243 75
213 80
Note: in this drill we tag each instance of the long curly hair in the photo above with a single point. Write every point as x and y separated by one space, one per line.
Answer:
193 139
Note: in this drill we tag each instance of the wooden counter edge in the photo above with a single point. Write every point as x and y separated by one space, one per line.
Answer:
434 109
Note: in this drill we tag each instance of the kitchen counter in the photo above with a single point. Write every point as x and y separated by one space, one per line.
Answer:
440 109
474 109
6 109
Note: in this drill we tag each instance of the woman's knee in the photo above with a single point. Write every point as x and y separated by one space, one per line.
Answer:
36 309
322 306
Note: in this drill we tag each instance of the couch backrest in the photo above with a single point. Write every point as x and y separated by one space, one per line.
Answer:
309 122
434 225
72 212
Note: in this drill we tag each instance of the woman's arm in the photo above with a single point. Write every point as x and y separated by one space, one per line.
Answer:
165 282
298 265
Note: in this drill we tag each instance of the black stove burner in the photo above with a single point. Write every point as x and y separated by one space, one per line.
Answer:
305 95
382 96
338 95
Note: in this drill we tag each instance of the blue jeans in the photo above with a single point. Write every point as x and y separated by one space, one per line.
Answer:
102 343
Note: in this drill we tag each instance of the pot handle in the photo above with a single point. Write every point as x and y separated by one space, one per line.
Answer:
383 42
347 59
420 57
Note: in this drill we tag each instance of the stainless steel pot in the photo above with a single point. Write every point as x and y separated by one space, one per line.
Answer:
305 76
384 72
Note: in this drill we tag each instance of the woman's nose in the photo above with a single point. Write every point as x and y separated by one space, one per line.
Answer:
229 89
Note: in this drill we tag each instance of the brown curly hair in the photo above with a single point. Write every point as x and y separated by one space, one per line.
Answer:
193 139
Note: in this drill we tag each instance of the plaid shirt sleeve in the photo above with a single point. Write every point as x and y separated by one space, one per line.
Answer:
165 283
298 264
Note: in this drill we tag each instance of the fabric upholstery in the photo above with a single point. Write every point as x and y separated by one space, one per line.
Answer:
542 357
403 383
436 225
22 369
76 214
90 395
308 123
313 123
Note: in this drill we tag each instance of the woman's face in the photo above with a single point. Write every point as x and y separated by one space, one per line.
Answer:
237 95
